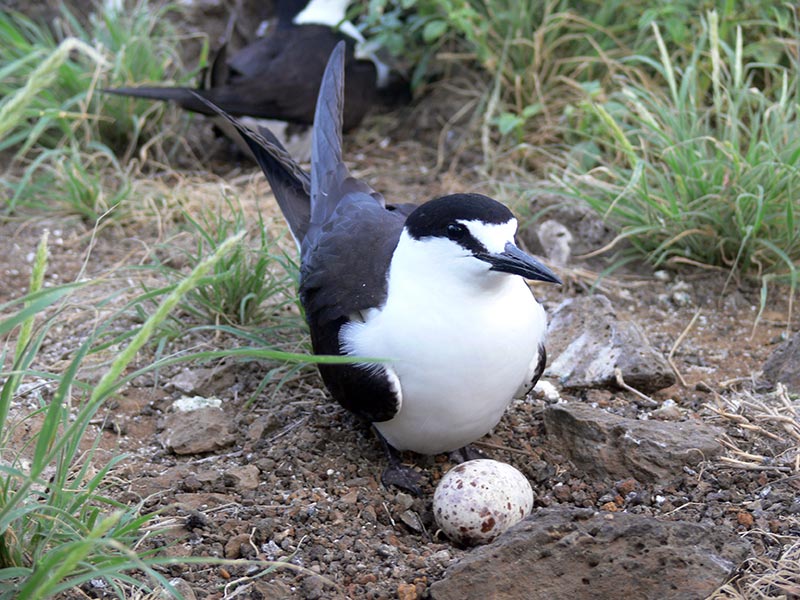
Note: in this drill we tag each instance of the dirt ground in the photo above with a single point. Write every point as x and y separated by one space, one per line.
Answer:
299 480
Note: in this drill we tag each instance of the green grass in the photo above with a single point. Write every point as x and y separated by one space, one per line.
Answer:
250 298
705 176
63 134
88 181
57 532
59 525
252 285
544 55
703 169
49 80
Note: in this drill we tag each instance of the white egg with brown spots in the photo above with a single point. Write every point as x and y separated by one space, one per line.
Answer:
479 499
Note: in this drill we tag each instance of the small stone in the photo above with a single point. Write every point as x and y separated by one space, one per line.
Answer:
246 477
369 514
195 520
745 519
609 507
411 519
668 411
626 486
562 492
192 403
233 547
187 381
182 587
191 483
546 390
403 501
197 432
366 578
350 497
406 591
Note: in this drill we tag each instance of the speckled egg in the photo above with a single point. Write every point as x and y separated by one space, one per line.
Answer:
479 499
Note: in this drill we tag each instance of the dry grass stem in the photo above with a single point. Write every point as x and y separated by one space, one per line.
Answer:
677 344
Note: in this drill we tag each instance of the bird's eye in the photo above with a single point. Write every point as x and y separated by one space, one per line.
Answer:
456 231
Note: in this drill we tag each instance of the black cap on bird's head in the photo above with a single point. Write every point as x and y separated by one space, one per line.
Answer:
480 225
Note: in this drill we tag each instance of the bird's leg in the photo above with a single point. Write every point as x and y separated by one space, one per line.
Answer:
398 474
466 453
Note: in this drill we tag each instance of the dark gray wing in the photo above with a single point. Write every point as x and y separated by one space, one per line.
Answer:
340 276
345 255
349 220
343 275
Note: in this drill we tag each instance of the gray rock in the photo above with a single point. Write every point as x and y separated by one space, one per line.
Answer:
197 432
586 343
571 554
783 365
188 380
605 445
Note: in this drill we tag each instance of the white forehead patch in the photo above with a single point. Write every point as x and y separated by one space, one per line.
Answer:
494 236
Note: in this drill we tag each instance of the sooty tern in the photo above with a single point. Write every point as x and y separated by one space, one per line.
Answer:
277 77
437 290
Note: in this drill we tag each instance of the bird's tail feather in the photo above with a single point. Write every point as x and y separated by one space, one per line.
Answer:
186 98
327 167
290 183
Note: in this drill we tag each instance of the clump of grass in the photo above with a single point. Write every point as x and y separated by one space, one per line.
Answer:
58 528
49 78
706 171
250 298
86 181
545 55
533 48
64 134
252 286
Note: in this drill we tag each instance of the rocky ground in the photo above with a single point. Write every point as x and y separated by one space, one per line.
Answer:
663 464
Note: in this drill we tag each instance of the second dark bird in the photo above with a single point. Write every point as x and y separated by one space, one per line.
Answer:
278 76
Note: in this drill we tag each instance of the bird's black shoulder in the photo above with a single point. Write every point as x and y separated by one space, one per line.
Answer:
345 261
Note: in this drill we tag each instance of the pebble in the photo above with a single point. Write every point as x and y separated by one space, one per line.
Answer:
406 591
745 519
233 548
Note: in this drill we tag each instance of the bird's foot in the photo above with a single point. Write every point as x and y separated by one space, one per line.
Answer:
403 477
466 453
398 474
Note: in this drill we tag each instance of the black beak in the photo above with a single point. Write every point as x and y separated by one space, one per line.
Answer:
515 261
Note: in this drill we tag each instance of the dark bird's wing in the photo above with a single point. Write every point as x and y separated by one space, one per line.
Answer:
351 238
347 237
346 256
180 95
